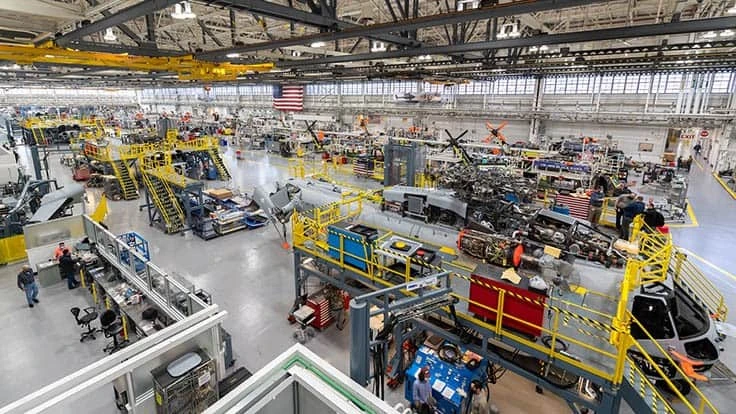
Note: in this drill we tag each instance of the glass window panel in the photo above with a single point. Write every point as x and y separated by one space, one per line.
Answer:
606 84
644 82
674 81
549 85
560 85
721 82
632 83
619 82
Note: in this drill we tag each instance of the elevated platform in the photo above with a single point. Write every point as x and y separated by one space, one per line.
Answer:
574 334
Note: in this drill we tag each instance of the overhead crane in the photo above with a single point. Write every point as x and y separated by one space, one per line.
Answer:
187 67
601 349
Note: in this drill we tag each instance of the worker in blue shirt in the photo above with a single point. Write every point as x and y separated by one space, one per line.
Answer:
629 212
596 207
422 392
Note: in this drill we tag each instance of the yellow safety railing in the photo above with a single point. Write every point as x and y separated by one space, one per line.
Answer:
648 391
98 152
377 173
296 167
425 180
608 212
685 273
698 399
134 151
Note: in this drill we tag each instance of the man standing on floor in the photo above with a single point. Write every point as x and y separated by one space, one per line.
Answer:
632 210
596 207
67 268
59 251
621 202
422 392
27 283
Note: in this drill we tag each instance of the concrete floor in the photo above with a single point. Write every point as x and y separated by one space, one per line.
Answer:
251 276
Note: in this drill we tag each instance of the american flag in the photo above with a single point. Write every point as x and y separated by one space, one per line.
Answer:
288 98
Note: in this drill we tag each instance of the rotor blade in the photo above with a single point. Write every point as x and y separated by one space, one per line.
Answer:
502 137
489 125
461 135
503 124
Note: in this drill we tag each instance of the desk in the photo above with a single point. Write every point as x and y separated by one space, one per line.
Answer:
115 290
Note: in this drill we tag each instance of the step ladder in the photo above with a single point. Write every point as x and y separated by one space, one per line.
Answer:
165 202
127 182
219 164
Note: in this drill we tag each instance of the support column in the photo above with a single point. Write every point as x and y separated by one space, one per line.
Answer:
359 344
536 105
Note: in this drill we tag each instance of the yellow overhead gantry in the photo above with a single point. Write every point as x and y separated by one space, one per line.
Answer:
186 66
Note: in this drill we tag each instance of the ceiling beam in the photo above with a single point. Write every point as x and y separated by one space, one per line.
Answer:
277 11
380 30
56 10
121 16
209 33
118 48
688 26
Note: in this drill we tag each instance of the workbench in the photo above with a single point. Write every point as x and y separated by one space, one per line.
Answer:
115 290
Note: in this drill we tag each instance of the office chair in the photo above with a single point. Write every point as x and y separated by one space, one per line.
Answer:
90 314
112 327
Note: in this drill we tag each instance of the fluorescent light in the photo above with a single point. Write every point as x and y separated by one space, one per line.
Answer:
318 44
233 55
727 33
296 53
424 57
109 35
377 46
533 49
49 56
543 48
732 9
709 35
467 4
183 11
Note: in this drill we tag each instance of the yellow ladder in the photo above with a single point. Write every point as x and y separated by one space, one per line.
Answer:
170 219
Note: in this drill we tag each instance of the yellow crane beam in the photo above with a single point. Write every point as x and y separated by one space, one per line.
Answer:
186 67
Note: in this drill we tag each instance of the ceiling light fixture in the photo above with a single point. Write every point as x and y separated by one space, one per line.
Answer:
109 35
543 48
467 4
533 49
377 46
424 57
727 33
710 35
318 44
509 30
296 53
183 11
233 55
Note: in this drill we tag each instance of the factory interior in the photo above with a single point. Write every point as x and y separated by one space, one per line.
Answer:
335 206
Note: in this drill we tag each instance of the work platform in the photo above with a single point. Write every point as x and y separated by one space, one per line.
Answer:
578 337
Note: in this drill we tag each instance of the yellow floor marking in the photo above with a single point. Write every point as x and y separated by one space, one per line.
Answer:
708 263
725 186
693 219
698 164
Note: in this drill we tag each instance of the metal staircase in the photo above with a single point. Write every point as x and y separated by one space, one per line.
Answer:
641 395
219 164
164 199
127 182
38 136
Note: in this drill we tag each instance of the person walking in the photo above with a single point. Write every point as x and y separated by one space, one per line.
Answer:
27 283
689 163
596 207
67 268
480 402
697 148
621 202
629 212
